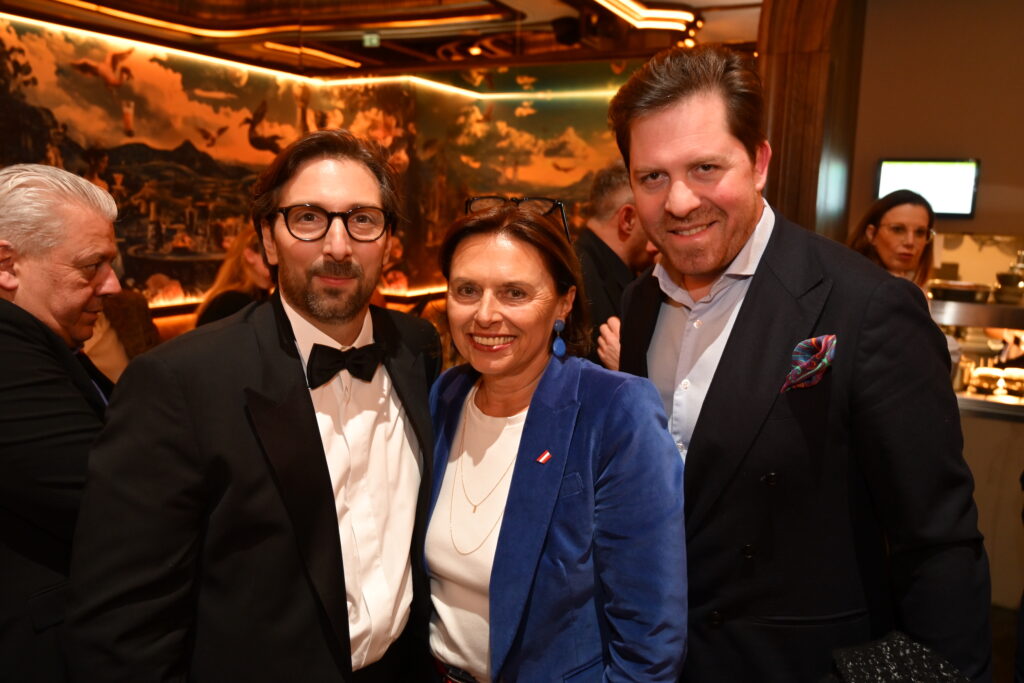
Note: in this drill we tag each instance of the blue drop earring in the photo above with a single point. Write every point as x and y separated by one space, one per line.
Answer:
558 345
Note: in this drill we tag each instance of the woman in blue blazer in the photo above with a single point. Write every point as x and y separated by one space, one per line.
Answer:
555 546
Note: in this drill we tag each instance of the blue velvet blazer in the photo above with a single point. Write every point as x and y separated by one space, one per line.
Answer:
589 576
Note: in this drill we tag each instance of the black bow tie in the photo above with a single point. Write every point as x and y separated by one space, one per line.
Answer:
326 362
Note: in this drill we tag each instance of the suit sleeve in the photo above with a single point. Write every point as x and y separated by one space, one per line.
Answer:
601 305
46 429
138 536
639 545
906 429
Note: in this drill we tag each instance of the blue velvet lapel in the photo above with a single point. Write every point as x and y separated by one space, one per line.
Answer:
446 422
549 426
781 307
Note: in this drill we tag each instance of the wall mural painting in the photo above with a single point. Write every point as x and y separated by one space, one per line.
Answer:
178 141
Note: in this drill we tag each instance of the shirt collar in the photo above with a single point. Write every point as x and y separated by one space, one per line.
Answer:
742 266
307 334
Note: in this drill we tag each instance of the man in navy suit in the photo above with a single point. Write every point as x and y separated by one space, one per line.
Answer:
827 500
56 248
252 504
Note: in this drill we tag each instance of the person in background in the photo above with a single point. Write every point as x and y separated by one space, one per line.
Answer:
612 248
124 330
242 279
555 546
827 499
253 503
56 250
897 232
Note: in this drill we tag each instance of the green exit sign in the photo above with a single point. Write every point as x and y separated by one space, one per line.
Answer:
371 40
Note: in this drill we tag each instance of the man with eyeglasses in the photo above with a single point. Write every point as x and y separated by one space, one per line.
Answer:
252 506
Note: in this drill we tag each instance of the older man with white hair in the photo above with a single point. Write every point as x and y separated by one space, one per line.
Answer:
56 248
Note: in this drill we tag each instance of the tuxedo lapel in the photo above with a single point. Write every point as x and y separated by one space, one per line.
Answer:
285 423
785 299
640 316
531 499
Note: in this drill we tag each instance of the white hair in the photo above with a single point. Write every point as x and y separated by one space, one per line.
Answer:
33 198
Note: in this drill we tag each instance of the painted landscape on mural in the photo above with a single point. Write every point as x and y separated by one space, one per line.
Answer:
178 141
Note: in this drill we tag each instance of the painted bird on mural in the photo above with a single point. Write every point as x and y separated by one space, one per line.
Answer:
112 72
268 143
211 138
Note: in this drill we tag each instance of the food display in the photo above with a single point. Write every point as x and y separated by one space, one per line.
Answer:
987 380
1013 378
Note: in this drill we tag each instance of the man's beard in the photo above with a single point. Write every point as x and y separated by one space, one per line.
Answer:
329 304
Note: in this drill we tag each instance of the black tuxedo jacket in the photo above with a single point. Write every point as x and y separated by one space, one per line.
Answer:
50 413
825 516
207 547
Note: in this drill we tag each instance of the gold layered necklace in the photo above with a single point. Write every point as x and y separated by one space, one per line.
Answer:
460 476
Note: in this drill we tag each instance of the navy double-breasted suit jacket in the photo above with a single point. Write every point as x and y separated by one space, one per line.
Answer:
825 516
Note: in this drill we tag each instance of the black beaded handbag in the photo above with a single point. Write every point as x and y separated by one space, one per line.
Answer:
893 659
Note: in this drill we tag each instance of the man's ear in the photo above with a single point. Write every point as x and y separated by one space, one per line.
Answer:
762 158
625 220
269 246
8 274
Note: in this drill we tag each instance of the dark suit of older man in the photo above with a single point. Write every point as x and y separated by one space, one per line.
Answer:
56 248
50 413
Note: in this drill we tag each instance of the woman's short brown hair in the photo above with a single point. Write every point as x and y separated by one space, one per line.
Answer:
549 239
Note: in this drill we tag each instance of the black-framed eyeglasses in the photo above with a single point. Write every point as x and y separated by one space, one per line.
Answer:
309 222
541 205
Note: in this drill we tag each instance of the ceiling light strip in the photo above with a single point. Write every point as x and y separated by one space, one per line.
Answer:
267 30
312 52
642 17
598 93
189 30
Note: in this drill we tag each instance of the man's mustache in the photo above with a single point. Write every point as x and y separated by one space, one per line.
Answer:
346 269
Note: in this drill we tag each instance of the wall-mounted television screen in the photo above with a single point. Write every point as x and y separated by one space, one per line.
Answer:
949 185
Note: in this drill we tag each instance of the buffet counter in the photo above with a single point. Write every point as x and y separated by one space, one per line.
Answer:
992 418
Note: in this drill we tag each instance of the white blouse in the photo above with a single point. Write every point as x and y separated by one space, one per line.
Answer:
463 535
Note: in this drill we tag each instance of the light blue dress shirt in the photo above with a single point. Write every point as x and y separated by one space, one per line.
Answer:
690 335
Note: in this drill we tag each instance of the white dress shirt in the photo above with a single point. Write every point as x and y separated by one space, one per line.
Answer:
374 462
690 336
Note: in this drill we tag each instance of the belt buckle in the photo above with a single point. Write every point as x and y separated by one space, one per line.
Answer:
455 675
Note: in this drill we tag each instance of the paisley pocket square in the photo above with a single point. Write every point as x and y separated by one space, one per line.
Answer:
811 358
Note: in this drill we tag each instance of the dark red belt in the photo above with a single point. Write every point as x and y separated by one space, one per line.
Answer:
452 674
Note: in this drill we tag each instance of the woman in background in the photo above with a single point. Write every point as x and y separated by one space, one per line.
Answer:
242 279
897 234
555 546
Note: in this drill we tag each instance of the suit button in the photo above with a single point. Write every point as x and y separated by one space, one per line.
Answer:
715 618
770 479
748 552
